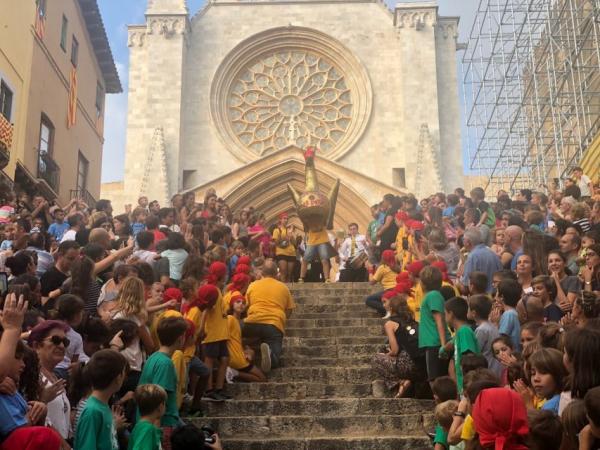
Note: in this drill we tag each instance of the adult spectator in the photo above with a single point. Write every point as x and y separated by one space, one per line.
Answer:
388 231
269 305
37 244
75 224
166 216
586 186
352 247
480 259
56 275
513 241
571 189
104 206
569 245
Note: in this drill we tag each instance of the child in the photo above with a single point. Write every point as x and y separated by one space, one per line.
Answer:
145 244
547 376
159 369
478 283
591 433
70 311
214 345
545 430
106 371
502 348
433 333
444 389
58 228
487 216
386 275
138 219
456 310
480 307
508 295
544 288
529 333
443 414
151 400
240 357
237 247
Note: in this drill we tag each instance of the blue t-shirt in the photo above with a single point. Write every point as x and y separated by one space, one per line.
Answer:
13 413
448 211
511 327
56 230
6 245
552 404
136 227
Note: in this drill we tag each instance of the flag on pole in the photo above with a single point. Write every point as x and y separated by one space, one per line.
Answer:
72 101
40 20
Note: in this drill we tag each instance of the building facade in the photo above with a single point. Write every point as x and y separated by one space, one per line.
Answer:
222 98
66 68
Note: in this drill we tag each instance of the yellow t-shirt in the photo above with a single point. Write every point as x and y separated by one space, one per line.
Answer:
268 299
157 318
404 257
180 362
385 276
237 359
215 324
317 237
456 291
281 233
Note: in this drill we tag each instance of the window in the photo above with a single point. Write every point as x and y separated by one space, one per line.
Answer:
41 7
6 98
82 171
74 51
46 136
399 177
99 99
63 33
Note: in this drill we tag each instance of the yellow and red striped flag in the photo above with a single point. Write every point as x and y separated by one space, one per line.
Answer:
72 101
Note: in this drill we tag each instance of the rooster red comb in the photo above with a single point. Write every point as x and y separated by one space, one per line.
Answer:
309 153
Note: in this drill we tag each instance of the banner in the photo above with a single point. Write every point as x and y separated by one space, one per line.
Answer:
72 101
40 21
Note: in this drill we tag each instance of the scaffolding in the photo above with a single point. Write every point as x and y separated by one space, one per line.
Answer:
531 90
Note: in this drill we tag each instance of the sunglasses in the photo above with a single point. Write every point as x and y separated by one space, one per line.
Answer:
57 340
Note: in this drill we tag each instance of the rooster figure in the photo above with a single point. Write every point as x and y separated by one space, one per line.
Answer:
314 208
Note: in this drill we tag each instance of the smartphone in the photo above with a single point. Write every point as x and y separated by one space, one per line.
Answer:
3 283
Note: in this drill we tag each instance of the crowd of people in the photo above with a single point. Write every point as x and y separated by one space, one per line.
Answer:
492 309
114 327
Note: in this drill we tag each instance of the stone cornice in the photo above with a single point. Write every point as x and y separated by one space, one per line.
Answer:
448 27
416 15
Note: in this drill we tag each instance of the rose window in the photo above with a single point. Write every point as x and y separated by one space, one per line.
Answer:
290 98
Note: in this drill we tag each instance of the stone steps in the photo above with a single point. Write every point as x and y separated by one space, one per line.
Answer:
333 442
298 390
322 397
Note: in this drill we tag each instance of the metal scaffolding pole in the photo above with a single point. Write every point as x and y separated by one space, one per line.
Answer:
531 76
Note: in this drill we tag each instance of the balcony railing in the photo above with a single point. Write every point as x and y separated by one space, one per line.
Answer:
48 170
84 195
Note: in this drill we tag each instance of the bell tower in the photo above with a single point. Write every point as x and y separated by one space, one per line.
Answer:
157 54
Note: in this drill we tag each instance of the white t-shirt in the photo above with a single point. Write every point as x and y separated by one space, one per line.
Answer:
133 352
584 186
59 412
69 235
75 348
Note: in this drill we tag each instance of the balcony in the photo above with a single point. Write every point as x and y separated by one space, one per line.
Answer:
84 195
48 171
6 137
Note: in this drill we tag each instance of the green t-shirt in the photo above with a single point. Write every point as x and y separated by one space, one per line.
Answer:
441 436
145 436
159 369
428 334
465 341
372 230
95 428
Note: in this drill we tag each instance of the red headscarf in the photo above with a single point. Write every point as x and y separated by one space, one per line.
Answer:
238 282
500 419
388 257
216 272
404 287
235 297
172 294
415 225
244 260
443 268
401 215
389 294
242 268
415 268
206 297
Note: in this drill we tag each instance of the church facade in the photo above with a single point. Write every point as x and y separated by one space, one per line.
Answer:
230 97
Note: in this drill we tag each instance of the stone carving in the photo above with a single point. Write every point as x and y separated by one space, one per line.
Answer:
136 38
417 19
166 26
290 97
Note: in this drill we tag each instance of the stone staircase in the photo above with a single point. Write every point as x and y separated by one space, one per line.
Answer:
322 397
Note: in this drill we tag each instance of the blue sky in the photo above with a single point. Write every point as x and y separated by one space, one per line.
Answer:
118 14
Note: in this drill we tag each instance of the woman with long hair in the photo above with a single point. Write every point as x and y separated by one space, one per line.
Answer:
239 229
403 363
590 274
567 286
84 284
